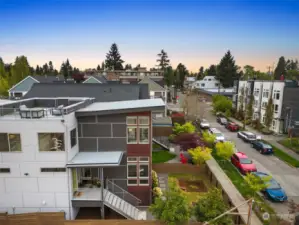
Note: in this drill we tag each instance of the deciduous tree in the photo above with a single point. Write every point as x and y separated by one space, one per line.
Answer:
209 206
225 149
173 207
256 183
269 113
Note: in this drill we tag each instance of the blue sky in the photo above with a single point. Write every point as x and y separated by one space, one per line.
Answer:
195 33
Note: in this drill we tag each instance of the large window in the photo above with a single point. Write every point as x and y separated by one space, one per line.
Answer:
10 142
266 93
51 142
138 130
276 94
73 137
138 171
53 169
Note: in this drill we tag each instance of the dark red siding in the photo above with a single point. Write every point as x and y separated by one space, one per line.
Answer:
142 192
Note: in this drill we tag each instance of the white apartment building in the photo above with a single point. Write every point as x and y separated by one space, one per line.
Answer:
33 176
208 82
262 91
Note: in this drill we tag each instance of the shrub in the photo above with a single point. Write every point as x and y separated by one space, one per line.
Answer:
208 138
157 192
173 208
224 149
154 179
221 103
171 137
209 206
185 128
200 155
266 131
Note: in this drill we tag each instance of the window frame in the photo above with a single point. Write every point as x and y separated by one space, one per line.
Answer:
73 138
132 164
4 170
132 117
63 142
58 169
139 135
141 160
9 144
134 127
143 117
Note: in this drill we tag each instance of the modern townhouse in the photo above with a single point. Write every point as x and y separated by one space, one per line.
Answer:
67 153
285 98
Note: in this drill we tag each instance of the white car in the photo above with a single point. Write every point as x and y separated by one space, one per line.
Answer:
204 124
247 136
219 136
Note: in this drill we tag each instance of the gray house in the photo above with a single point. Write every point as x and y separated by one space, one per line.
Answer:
20 89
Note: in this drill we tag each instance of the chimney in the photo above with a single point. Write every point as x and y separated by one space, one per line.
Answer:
282 77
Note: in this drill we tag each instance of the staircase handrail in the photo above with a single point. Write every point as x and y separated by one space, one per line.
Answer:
123 190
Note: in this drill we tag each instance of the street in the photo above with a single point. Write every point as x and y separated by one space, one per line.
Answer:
287 176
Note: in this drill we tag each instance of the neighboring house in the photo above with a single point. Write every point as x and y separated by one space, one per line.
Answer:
95 79
20 89
189 81
67 153
208 82
285 95
132 75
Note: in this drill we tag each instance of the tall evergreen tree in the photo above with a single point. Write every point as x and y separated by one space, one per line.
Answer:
98 68
169 76
163 60
280 68
113 59
200 73
103 66
51 68
181 73
212 70
45 69
2 68
227 71
128 67
269 113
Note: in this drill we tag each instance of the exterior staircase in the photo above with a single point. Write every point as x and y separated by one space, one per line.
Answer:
122 202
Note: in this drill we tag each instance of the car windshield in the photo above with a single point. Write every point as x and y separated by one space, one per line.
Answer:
251 136
218 135
272 184
245 161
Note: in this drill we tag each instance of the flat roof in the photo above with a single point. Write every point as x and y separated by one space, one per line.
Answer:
96 159
119 105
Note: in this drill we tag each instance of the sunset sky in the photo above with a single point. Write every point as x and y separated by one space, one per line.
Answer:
195 33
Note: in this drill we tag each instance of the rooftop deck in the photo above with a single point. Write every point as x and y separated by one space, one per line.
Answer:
40 108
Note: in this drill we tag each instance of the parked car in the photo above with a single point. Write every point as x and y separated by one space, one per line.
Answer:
204 124
243 163
273 191
232 126
246 136
222 120
219 136
262 147
187 141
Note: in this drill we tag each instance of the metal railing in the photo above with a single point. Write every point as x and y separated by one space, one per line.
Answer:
120 192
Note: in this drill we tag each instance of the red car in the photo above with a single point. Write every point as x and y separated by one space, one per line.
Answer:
232 126
243 164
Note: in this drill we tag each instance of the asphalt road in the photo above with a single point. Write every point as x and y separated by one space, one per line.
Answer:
287 176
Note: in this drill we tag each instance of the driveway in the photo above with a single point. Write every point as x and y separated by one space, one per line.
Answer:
287 176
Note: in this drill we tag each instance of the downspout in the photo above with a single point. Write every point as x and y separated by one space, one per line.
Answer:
66 142
102 193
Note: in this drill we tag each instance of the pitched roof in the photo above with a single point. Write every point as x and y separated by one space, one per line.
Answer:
96 79
48 78
153 86
24 85
101 92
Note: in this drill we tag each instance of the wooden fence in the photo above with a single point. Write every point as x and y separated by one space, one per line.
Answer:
178 168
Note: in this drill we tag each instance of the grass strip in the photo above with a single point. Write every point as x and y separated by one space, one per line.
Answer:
239 182
283 156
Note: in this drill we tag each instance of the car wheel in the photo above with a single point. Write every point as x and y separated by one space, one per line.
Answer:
261 151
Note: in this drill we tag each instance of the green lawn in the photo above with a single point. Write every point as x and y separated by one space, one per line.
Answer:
291 143
162 156
284 156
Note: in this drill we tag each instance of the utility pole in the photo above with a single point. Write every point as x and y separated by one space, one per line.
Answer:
250 203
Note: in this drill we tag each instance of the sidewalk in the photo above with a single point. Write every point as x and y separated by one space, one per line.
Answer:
270 138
